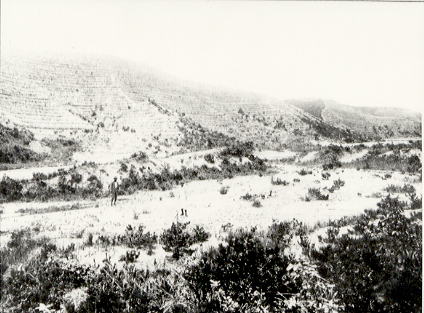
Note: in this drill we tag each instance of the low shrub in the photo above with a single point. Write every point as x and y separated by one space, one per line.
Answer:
124 167
178 239
325 175
209 158
130 256
137 238
337 184
304 172
248 197
315 194
256 203
39 176
224 190
134 237
406 188
76 178
140 156
278 181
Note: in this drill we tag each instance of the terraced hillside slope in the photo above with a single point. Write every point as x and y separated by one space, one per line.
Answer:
114 108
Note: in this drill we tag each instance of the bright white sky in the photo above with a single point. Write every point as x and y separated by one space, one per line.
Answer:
352 52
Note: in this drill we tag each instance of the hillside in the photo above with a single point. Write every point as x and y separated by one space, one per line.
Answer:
372 122
112 109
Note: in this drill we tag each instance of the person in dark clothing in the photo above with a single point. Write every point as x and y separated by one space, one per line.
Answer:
114 191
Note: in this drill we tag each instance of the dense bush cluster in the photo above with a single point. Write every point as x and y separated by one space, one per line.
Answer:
238 149
14 146
70 185
377 265
392 157
19 246
246 273
10 189
166 179
17 153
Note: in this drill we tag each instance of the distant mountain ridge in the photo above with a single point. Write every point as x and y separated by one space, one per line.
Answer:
373 122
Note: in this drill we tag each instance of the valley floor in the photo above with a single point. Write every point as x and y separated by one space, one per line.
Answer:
72 222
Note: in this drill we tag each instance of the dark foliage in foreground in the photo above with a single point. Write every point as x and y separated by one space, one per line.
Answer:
242 269
377 266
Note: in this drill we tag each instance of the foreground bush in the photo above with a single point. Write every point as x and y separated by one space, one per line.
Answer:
243 274
21 244
42 280
377 265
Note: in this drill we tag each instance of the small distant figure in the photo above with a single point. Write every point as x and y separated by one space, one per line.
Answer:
114 191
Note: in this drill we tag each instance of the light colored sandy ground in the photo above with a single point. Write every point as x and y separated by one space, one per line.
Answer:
26 173
275 155
350 157
206 206
310 156
190 159
38 147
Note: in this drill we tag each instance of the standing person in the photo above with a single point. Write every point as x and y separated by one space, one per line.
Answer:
114 191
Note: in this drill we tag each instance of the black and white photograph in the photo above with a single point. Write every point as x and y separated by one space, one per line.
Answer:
211 156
